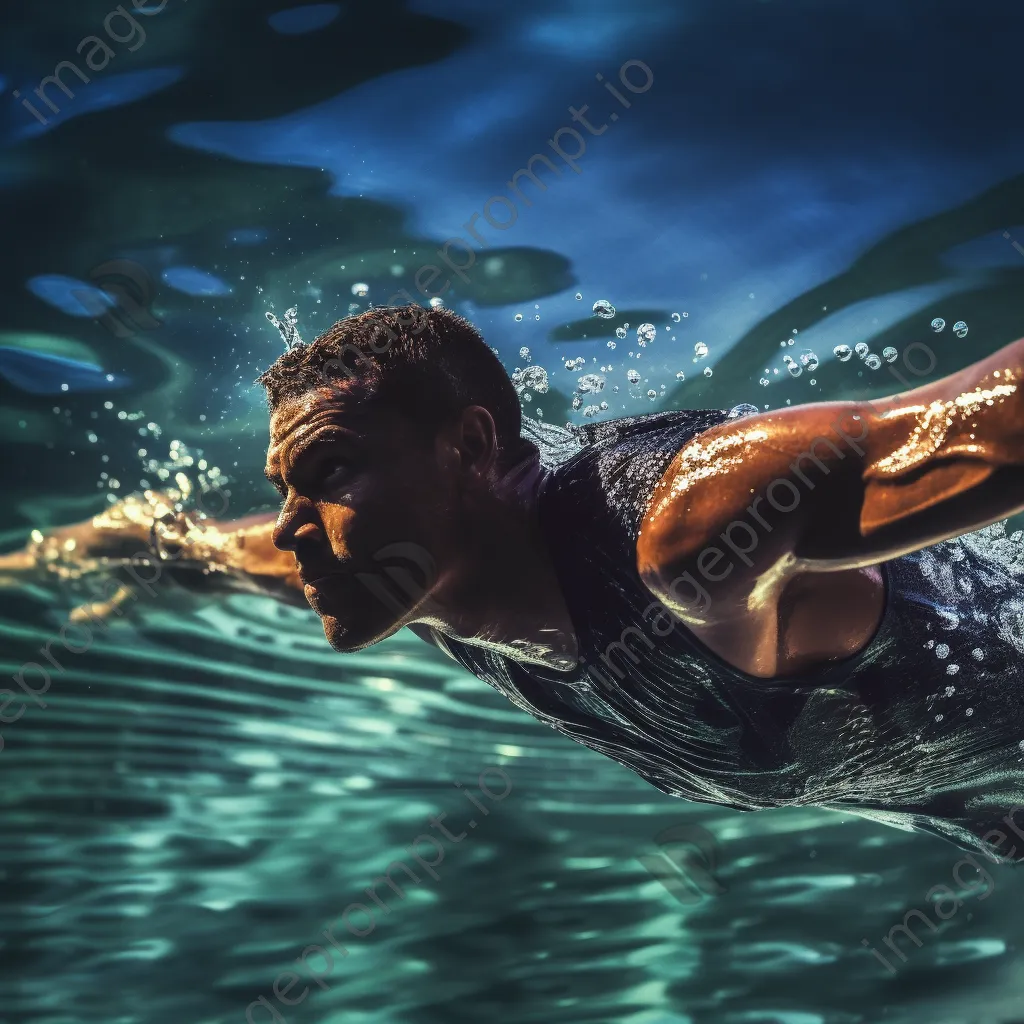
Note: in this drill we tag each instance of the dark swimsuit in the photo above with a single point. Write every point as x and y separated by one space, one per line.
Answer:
923 729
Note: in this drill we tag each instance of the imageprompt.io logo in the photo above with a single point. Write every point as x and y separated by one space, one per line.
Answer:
686 864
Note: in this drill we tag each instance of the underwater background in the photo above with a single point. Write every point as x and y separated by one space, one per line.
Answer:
208 787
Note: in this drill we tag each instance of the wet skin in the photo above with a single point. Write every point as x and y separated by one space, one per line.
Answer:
890 477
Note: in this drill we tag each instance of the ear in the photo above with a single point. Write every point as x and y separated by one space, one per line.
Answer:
478 441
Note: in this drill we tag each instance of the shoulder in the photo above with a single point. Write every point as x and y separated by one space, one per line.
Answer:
621 461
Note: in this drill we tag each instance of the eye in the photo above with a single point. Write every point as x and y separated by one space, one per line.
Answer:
334 469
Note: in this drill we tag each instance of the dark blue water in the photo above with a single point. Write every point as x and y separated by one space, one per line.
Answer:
208 787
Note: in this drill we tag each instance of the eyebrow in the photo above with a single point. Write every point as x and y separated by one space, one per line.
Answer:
276 480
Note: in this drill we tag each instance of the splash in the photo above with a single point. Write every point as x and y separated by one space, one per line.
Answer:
288 327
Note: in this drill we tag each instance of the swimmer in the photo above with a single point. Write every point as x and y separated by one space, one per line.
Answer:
791 607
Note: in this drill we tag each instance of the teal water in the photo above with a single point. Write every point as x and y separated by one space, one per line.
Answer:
209 787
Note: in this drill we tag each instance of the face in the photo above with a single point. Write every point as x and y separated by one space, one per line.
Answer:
370 511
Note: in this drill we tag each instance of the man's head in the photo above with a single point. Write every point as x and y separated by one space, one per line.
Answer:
385 434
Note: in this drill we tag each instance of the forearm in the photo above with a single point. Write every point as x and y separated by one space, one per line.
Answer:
205 556
233 555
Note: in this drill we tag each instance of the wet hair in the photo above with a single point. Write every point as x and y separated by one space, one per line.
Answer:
427 364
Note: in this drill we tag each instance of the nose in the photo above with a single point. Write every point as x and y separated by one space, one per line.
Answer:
297 522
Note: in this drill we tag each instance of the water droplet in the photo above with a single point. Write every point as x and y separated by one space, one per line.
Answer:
519 316
978 654
951 670
937 324
842 352
436 302
590 382
744 409
889 354
960 329
604 309
579 295
942 650
360 290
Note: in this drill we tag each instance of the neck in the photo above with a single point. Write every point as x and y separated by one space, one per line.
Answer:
504 594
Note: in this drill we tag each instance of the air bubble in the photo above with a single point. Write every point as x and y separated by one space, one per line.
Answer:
872 362
676 317
842 352
700 350
889 354
960 329
937 324
646 333
360 290
604 309
707 371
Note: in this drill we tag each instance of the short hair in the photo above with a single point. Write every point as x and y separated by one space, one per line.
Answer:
428 364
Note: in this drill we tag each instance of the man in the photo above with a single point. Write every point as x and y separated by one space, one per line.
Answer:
756 611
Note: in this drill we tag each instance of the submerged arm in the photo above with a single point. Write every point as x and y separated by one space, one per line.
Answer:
751 504
144 532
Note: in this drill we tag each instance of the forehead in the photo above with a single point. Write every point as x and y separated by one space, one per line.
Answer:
296 417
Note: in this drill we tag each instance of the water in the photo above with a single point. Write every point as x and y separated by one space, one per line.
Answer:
208 787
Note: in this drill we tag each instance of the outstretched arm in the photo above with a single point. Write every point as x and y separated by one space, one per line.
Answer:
752 504
208 556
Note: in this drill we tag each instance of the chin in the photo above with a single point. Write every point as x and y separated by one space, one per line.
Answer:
347 639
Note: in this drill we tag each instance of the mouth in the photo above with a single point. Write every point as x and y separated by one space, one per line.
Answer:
316 581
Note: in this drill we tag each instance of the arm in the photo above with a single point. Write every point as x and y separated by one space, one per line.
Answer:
752 505
209 557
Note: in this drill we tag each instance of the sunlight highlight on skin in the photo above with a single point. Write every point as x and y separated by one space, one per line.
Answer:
934 423
702 460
